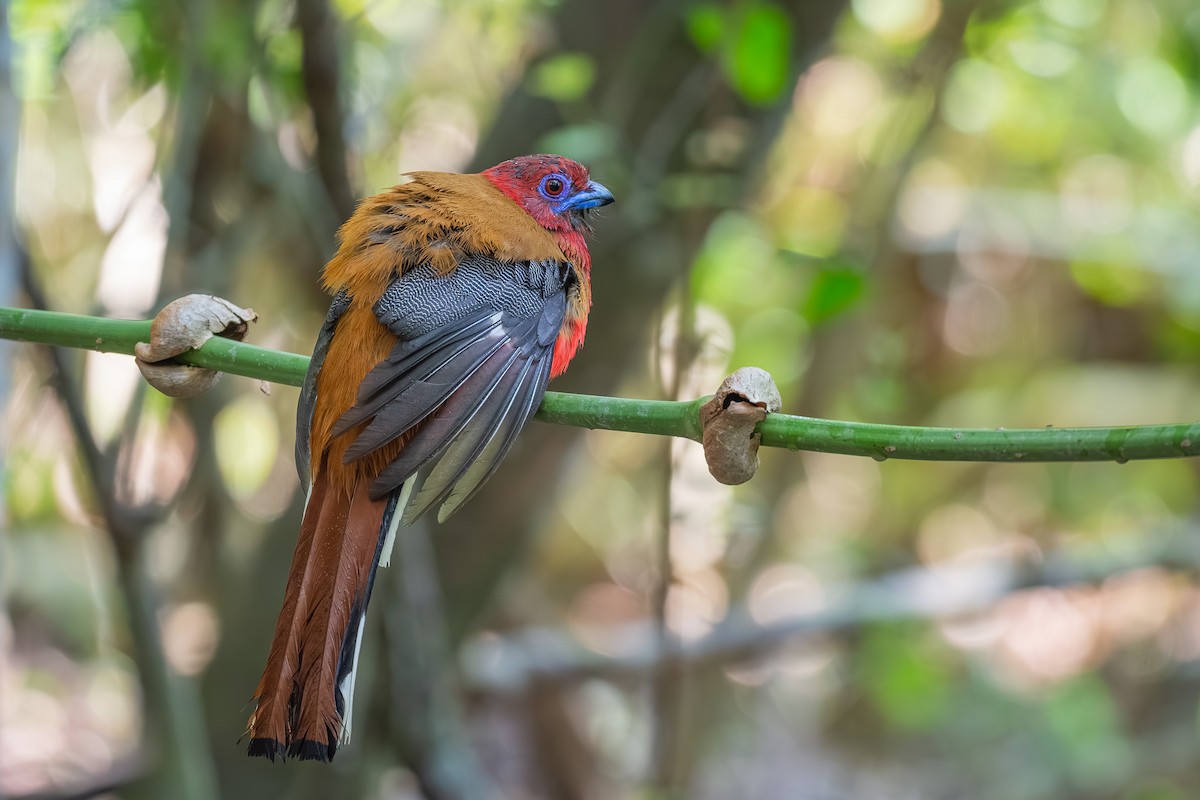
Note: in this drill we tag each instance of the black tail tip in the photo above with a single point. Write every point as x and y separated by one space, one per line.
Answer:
266 748
302 749
312 750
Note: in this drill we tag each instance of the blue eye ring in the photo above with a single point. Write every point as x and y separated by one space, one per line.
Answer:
554 185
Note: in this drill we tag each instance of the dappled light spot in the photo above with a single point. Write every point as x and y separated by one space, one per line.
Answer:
38 733
110 380
154 466
599 616
774 340
1180 638
726 271
274 495
487 652
695 604
190 632
612 720
1043 57
1190 158
62 721
1076 13
294 145
1048 635
1139 508
972 631
247 440
959 534
403 20
67 494
1097 194
706 367
753 673
933 201
994 248
1018 499
610 517
808 662
975 96
785 591
1153 97
838 96
720 144
441 136
821 516
810 220
978 319
1138 604
898 21
698 535
131 268
118 121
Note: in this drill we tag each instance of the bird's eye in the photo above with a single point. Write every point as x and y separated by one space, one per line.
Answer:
553 186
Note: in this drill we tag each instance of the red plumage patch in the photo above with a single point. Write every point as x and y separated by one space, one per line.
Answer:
566 346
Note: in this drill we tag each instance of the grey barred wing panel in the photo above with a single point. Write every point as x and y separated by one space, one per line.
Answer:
468 370
421 300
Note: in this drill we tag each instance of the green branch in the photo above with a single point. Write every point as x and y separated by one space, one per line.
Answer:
667 418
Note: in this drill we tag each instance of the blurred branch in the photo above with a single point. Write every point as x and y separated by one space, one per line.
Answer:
96 465
120 776
427 717
668 692
120 336
671 417
321 71
669 764
518 660
192 106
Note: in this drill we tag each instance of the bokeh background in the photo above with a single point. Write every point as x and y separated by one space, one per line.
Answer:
944 212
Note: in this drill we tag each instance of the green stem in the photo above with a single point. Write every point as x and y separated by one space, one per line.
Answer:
668 418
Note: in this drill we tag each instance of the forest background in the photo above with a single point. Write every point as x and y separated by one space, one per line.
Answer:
924 212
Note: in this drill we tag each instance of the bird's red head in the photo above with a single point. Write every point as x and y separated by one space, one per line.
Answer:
554 190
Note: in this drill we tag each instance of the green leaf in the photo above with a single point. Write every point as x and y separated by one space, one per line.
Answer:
833 291
705 26
1114 282
906 677
589 143
758 64
564 77
1083 717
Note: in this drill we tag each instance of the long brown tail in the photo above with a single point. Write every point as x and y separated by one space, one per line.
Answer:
305 693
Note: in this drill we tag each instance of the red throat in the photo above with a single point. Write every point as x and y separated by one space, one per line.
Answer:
519 180
570 339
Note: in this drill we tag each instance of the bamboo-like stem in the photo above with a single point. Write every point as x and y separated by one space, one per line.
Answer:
666 417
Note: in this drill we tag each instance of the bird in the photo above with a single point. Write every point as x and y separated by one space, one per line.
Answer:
456 297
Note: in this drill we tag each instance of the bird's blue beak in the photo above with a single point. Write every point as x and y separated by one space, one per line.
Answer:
593 195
